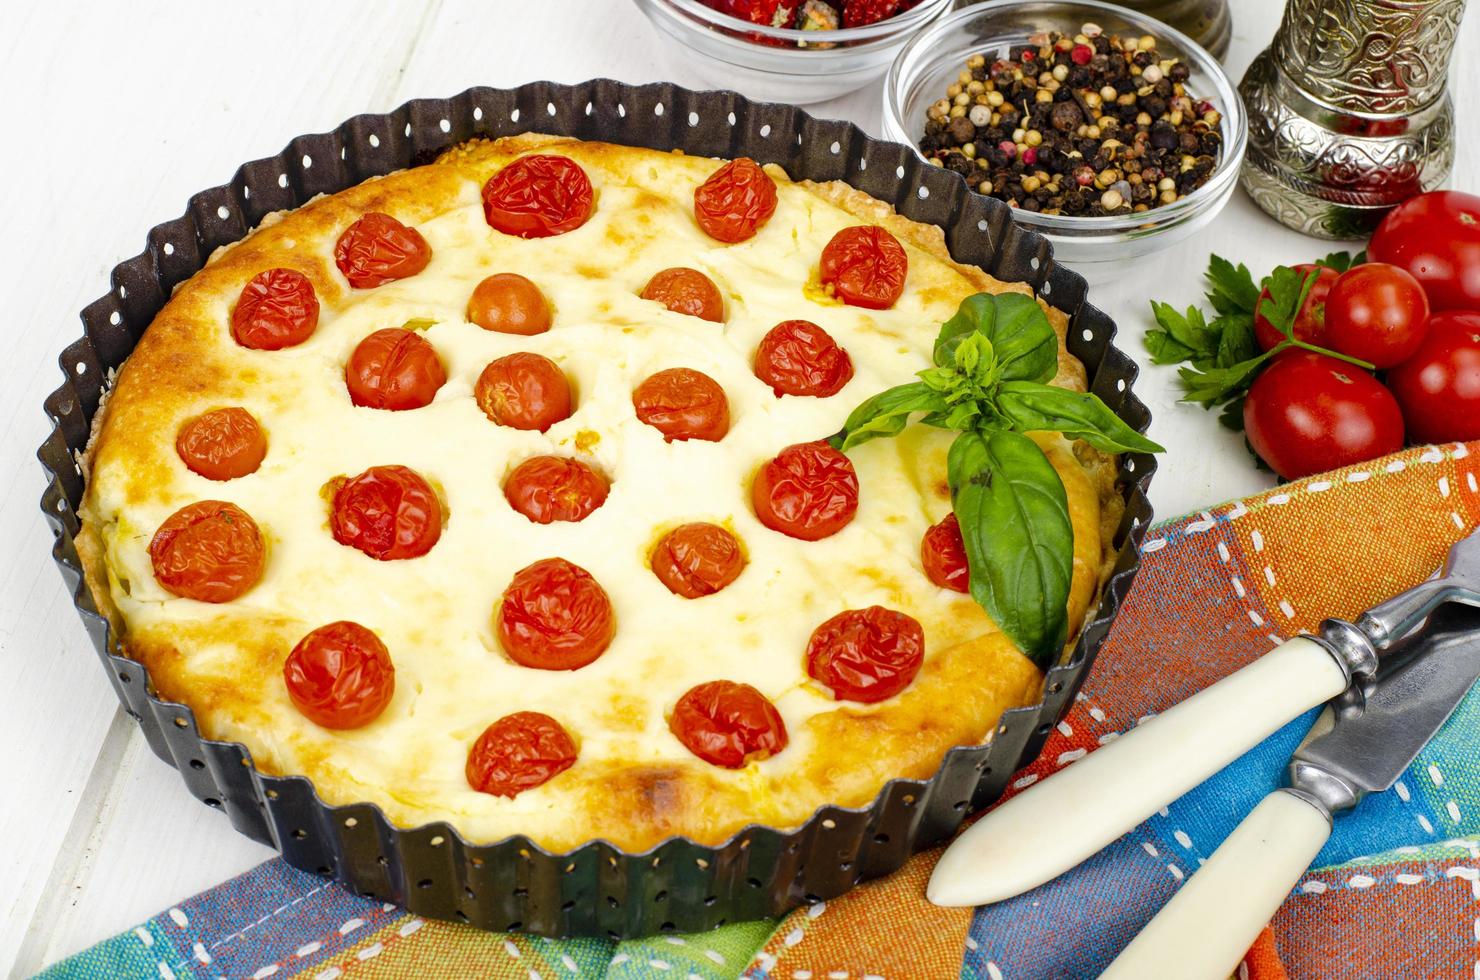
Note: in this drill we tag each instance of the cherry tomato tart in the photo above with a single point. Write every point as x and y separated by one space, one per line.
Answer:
519 752
683 404
524 391
866 655
687 291
210 550
728 724
797 357
538 196
735 201
394 369
865 266
222 444
698 559
509 303
340 676
808 491
277 308
943 554
378 249
389 512
555 616
555 488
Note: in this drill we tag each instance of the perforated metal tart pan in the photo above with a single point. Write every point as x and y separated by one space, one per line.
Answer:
596 889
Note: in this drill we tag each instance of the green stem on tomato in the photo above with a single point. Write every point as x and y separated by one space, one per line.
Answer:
1365 366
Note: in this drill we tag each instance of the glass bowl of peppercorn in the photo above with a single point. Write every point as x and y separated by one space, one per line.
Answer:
1108 132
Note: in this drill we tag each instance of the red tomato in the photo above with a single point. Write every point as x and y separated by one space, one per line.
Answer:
735 201
340 676
519 752
1436 237
394 369
1310 322
222 444
1438 387
1376 313
865 266
866 655
523 391
555 488
728 724
555 616
538 196
943 553
686 291
1307 413
683 404
808 491
697 559
277 309
378 249
210 550
797 357
388 512
509 303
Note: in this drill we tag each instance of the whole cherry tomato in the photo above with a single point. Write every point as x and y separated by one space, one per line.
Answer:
735 201
538 196
277 309
865 266
210 550
394 369
1310 321
683 404
222 444
509 303
943 553
554 616
809 491
1436 237
1307 413
555 488
388 512
697 559
1438 387
523 391
728 724
866 655
1376 313
686 291
519 752
340 676
797 357
378 249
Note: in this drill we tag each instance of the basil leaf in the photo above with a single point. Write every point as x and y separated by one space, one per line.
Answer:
1032 407
1022 339
976 314
1014 517
887 413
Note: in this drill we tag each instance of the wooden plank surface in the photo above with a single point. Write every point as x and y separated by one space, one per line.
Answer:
114 115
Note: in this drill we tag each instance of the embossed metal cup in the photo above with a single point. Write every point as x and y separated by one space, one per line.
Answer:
1349 111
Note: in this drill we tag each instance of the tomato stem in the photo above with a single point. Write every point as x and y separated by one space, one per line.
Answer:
1364 365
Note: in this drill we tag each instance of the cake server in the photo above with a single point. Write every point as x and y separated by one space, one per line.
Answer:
1048 829
1361 744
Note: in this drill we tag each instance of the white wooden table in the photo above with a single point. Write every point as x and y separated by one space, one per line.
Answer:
114 114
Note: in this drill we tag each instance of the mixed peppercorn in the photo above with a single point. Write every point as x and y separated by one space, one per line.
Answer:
1092 124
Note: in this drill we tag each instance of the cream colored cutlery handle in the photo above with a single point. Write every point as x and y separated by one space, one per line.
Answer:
1047 830
1208 926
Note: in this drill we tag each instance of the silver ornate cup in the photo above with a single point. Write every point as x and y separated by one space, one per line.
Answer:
1349 111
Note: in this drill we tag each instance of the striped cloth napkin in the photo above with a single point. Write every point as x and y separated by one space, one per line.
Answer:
1394 894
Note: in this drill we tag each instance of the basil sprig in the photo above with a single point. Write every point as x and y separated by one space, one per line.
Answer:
993 360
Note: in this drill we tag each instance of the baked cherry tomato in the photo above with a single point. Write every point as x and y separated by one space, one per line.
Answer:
1307 413
1436 237
686 291
394 369
943 553
1310 322
1376 313
340 676
797 357
523 391
866 655
555 617
1438 387
538 196
222 444
683 404
808 491
388 512
378 249
735 201
209 550
519 752
555 488
509 303
865 266
277 309
697 559
728 724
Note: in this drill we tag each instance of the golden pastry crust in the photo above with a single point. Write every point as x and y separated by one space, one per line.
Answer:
632 785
